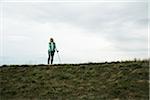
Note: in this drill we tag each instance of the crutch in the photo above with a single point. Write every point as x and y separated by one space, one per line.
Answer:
58 57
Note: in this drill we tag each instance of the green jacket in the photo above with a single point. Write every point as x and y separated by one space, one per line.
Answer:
51 46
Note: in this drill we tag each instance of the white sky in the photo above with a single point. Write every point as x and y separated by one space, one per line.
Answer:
83 31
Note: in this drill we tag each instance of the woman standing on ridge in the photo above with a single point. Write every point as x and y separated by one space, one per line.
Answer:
51 50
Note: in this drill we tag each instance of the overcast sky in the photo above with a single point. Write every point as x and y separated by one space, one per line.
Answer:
83 31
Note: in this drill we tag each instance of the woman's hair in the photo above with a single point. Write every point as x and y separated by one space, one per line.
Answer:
51 40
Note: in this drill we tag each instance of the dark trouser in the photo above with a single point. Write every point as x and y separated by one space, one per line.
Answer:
50 56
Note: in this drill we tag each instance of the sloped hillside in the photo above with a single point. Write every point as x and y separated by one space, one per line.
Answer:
127 80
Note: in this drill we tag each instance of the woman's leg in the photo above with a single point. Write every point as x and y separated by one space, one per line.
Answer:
48 57
52 56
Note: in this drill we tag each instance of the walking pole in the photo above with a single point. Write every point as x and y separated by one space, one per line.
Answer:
59 57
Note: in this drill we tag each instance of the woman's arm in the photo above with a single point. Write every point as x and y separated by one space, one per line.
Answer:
55 47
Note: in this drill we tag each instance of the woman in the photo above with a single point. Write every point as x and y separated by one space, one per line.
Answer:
51 50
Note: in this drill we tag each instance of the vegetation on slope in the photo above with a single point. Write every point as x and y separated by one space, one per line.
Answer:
95 81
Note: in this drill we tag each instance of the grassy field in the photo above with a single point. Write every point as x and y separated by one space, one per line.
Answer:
127 80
